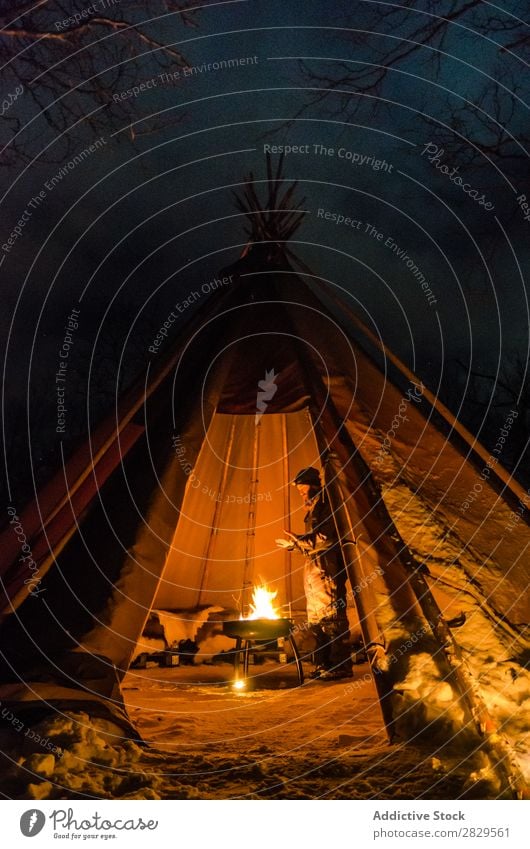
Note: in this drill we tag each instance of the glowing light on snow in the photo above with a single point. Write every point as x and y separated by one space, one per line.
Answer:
239 684
262 606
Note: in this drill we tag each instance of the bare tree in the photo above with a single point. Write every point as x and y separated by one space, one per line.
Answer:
63 61
468 58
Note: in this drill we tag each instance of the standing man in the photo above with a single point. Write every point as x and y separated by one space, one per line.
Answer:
324 579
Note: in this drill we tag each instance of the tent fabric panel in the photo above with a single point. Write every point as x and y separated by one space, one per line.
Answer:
75 497
195 540
131 598
212 546
442 479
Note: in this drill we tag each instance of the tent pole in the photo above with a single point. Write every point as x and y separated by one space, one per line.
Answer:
217 509
287 513
251 524
373 639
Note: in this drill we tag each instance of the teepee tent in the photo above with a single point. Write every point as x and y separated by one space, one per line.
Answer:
175 501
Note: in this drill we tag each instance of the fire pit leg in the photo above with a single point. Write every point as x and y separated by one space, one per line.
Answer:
242 646
299 667
263 633
236 658
246 651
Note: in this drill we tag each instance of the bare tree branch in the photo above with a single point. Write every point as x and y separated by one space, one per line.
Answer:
67 71
430 42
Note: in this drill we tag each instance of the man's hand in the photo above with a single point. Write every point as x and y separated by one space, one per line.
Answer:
295 541
288 544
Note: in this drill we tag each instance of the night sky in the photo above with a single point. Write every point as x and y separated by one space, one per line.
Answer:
411 128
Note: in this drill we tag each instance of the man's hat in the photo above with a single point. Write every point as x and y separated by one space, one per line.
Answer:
309 475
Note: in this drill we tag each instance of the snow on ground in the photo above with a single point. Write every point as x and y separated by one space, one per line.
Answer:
276 740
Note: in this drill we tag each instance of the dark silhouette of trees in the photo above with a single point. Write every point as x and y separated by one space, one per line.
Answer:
461 65
61 63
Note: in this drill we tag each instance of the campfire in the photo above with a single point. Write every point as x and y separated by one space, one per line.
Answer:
263 622
263 625
262 606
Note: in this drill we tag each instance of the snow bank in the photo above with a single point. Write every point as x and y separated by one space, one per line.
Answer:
492 649
95 761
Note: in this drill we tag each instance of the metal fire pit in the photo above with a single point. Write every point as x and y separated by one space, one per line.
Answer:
256 629
248 631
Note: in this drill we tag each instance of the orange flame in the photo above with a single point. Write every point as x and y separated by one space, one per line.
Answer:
262 606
